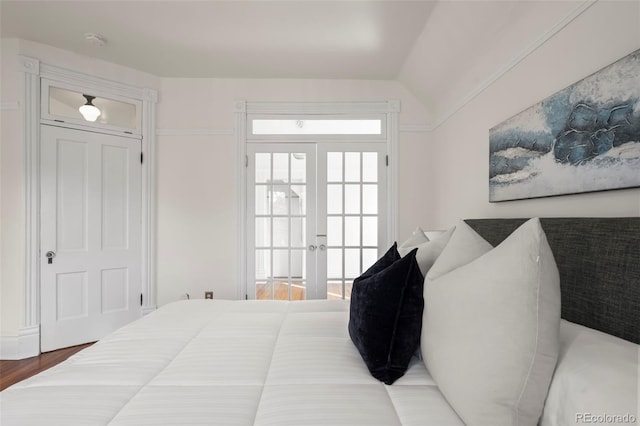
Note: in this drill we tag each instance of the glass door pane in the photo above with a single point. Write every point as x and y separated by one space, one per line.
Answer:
281 207
351 213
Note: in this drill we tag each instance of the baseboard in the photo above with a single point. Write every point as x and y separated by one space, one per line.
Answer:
147 311
25 345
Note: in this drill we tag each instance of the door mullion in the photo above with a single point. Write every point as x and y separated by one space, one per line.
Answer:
320 175
289 228
270 278
344 233
360 213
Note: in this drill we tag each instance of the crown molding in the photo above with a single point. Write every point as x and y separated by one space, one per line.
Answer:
515 60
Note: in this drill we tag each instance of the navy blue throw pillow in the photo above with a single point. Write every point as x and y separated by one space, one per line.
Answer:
385 318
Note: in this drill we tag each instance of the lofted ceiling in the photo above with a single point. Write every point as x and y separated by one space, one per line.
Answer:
230 39
440 50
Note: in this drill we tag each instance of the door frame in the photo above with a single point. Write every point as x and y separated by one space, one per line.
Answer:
34 71
244 109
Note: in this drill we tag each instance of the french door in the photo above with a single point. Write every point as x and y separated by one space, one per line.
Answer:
316 217
90 235
352 203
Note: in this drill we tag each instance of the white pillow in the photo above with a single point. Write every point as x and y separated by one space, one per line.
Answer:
596 375
490 329
418 237
428 251
464 246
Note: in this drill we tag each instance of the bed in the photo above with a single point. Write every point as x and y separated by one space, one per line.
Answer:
293 363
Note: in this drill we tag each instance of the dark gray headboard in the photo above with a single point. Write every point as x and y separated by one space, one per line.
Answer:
599 264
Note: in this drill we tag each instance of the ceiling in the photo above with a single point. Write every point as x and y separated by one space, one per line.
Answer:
440 50
239 39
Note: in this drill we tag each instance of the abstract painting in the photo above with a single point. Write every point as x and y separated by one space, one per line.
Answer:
584 138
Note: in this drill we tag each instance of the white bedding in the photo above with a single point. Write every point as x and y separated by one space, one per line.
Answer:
227 363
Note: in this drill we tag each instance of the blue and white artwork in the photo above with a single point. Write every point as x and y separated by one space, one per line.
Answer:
584 138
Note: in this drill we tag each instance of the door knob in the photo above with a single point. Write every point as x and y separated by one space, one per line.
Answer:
50 255
322 247
312 247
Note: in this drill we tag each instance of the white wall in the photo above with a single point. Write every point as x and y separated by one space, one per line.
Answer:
197 192
196 188
12 241
12 157
459 149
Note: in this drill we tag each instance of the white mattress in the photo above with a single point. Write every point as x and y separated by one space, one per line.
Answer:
226 363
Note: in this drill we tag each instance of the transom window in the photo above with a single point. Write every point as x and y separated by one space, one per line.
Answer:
316 127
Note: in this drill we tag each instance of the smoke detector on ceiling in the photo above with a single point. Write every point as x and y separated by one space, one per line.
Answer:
95 39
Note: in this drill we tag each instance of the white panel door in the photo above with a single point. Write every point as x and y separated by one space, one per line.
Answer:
90 250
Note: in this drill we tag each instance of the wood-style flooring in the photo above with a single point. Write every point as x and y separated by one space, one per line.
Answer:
281 291
12 372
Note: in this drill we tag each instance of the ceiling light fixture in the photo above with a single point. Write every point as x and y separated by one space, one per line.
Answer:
89 111
95 39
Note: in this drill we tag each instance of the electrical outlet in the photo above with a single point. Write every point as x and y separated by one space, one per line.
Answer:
208 295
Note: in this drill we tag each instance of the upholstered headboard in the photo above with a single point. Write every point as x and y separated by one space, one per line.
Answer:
599 264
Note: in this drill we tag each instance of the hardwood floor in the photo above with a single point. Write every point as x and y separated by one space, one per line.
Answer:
12 372
281 291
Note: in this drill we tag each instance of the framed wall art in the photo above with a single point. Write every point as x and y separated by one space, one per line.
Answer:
584 138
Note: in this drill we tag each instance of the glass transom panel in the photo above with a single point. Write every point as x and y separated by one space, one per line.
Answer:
316 127
65 103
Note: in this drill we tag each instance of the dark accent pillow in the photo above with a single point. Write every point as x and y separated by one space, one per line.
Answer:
383 263
385 318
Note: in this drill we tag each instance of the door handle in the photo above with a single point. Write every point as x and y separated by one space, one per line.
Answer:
50 255
322 247
312 247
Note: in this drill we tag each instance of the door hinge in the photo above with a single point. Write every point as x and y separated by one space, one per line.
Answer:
246 161
140 299
141 157
386 159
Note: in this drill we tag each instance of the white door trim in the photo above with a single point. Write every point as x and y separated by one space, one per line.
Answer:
33 70
242 109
